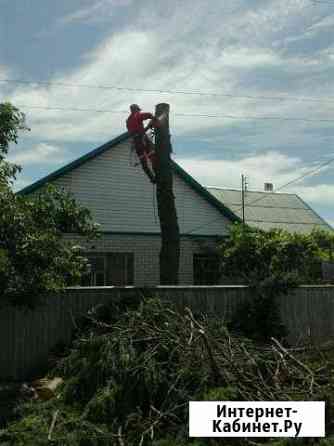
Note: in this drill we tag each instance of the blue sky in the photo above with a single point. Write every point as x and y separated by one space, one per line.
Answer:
251 50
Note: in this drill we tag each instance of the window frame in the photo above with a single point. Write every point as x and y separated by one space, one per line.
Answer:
127 268
204 275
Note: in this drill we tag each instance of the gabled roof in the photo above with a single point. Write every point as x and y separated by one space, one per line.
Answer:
266 210
73 165
108 146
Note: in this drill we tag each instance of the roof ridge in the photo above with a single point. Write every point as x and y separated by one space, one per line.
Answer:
251 191
228 213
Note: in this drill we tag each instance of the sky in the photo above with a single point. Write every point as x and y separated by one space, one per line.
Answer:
249 82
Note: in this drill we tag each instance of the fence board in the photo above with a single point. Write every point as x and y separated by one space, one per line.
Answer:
27 337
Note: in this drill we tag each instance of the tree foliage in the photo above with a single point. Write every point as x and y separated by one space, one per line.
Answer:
12 121
34 258
271 263
254 255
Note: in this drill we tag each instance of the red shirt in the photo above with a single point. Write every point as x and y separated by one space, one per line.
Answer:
134 123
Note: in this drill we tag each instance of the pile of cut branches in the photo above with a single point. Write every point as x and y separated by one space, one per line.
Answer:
130 374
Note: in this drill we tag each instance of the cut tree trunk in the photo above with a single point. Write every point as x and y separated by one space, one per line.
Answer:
170 233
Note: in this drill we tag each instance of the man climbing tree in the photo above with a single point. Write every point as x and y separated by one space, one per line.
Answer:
143 146
161 174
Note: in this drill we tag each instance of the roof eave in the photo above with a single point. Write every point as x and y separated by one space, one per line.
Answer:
320 218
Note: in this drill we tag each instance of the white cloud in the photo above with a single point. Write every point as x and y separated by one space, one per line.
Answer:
97 11
326 22
4 71
330 222
42 153
320 194
20 183
249 58
238 50
270 166
113 63
171 51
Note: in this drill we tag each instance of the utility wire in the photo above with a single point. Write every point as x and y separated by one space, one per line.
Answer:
166 91
42 107
190 115
310 172
322 2
306 174
278 118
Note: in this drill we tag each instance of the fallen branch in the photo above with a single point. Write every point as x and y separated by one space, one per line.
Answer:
292 357
53 423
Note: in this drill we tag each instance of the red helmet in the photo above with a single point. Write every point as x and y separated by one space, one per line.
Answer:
134 108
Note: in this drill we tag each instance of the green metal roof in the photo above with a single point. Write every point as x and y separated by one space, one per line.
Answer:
228 213
267 210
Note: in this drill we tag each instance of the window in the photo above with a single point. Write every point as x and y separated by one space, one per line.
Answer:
97 271
328 272
206 269
109 269
120 269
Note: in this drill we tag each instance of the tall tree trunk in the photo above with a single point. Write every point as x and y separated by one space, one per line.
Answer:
170 234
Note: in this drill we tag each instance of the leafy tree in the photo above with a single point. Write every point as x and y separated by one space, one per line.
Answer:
253 255
11 122
271 263
35 260
325 242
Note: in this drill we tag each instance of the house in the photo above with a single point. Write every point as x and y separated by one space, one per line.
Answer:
122 200
269 210
109 182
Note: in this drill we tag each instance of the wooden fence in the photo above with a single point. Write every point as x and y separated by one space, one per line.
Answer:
26 337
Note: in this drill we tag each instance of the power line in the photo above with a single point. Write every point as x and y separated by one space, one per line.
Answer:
276 118
90 110
190 115
310 172
167 91
306 174
322 2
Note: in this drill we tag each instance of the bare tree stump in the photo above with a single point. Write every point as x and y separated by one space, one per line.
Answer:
170 233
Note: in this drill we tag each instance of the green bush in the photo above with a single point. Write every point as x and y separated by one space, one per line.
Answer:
271 263
254 255
35 261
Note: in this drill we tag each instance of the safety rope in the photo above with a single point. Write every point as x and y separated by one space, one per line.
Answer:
154 205
148 159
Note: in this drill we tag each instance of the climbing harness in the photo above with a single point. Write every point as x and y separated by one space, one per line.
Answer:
143 146
147 142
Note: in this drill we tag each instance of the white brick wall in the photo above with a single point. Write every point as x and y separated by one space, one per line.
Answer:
146 250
